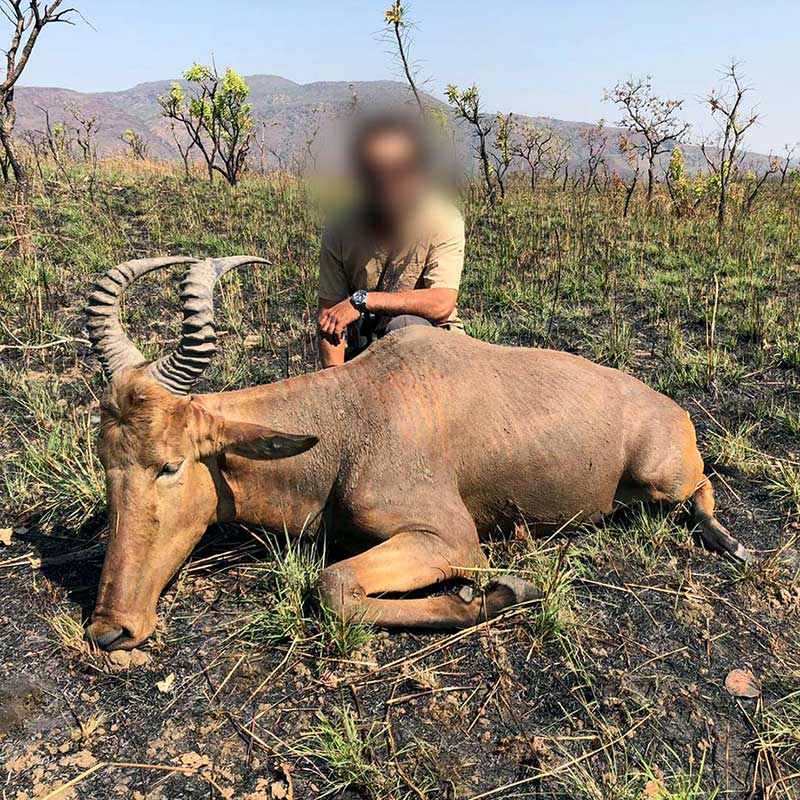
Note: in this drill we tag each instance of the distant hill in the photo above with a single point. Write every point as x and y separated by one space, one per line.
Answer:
291 110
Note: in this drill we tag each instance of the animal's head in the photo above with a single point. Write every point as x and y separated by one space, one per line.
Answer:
160 449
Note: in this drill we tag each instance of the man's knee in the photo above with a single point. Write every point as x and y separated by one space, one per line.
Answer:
405 321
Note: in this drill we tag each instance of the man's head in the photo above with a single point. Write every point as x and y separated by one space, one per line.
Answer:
390 153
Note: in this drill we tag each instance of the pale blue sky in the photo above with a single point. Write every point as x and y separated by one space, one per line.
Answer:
538 58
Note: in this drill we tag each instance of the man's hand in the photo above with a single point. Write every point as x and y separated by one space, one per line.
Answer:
333 321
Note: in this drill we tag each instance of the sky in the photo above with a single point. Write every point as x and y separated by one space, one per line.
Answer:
542 59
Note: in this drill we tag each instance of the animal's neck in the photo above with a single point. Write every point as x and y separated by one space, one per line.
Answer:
288 493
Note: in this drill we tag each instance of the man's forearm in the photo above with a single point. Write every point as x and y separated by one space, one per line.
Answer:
331 355
435 305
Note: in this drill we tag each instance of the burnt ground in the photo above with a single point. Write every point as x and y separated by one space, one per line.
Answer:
613 688
624 690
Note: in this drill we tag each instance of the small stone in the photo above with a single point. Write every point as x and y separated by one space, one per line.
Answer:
466 593
119 659
653 789
140 657
742 683
278 790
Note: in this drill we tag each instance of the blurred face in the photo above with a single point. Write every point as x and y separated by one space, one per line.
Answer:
391 173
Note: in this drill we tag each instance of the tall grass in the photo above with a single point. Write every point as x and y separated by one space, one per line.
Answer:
655 293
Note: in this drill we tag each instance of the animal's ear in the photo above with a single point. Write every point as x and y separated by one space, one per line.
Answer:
256 441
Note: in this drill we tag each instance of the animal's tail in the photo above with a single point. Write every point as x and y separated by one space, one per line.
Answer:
713 534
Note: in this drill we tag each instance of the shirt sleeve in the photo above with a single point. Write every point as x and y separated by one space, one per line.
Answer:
445 260
333 284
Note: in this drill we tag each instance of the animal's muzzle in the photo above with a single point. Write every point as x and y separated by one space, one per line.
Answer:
108 636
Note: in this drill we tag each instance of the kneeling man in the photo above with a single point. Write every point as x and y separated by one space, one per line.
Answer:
395 258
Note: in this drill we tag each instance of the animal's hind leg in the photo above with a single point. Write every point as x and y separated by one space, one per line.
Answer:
415 560
670 469
713 534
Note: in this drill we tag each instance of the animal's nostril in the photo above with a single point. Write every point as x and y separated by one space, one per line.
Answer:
106 638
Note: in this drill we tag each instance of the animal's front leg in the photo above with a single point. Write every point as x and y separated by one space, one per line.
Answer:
415 560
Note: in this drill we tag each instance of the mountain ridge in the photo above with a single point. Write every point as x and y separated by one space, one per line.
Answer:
291 110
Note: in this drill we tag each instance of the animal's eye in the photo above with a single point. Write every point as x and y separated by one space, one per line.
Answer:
169 469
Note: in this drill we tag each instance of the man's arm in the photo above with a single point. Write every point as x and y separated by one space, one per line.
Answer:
435 305
331 345
333 291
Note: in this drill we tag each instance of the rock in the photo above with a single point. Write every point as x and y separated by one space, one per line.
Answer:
83 759
118 660
742 683
278 790
140 657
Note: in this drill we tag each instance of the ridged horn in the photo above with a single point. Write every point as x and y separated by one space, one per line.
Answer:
179 371
111 344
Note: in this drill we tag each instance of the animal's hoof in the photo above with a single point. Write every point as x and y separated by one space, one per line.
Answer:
522 590
742 554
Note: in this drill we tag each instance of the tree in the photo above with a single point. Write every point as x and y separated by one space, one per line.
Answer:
632 155
533 146
560 152
183 144
467 107
260 139
86 131
685 195
654 119
723 155
786 161
756 181
216 117
595 140
503 155
137 145
395 19
28 19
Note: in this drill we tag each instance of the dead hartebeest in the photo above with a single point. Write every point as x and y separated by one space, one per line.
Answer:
414 451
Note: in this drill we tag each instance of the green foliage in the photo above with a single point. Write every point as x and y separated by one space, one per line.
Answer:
343 748
784 483
467 106
56 476
465 103
394 14
136 143
340 636
676 170
502 136
293 570
216 117
780 732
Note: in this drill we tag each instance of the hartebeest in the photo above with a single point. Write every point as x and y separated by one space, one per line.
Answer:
413 451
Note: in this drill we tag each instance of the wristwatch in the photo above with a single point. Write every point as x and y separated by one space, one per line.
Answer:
359 300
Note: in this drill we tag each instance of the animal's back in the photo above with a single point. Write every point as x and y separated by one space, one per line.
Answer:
541 433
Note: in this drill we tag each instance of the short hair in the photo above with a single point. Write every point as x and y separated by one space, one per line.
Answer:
391 121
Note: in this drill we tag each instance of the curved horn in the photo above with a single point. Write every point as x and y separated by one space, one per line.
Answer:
179 371
112 345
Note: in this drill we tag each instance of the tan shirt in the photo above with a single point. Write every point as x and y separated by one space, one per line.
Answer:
430 255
